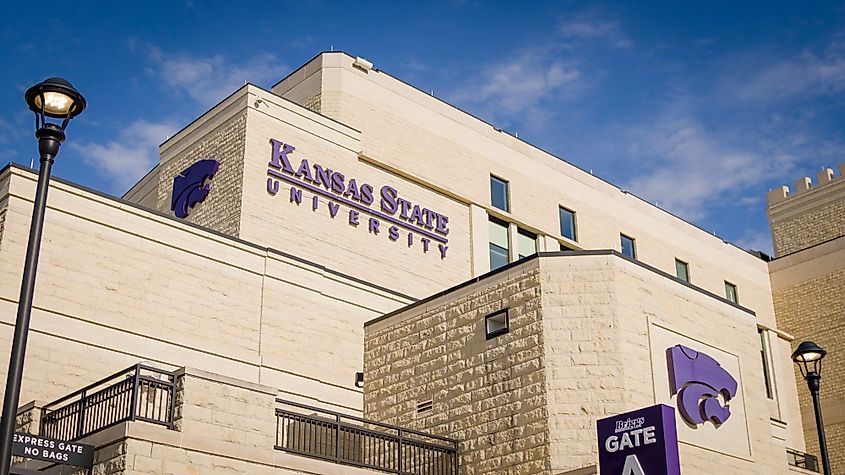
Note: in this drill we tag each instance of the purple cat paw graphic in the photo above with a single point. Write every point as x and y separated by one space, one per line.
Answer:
698 380
190 187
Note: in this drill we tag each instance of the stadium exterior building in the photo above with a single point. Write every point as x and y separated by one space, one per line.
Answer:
498 300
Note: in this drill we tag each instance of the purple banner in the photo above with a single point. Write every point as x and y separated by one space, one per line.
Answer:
641 442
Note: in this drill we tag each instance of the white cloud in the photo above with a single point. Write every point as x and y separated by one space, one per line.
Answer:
519 88
686 168
806 74
8 132
756 240
125 160
591 27
209 79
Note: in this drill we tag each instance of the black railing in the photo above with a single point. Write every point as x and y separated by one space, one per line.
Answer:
138 393
800 459
349 440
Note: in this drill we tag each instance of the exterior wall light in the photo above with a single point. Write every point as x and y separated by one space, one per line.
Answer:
808 356
362 63
54 98
359 379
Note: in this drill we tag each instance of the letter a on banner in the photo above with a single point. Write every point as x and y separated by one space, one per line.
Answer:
632 466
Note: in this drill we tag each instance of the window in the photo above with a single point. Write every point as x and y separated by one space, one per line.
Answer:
526 243
629 248
567 223
765 355
497 323
499 249
682 270
730 292
499 193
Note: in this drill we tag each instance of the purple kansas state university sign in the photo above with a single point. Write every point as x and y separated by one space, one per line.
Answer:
699 380
641 442
387 213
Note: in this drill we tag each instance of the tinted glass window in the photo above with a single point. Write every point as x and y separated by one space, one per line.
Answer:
499 193
730 292
628 247
498 243
527 243
682 270
567 223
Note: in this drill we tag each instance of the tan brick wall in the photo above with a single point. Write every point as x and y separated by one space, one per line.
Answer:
222 208
807 229
808 284
815 310
812 214
490 395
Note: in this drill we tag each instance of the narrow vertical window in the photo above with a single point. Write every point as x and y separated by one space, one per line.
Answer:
682 270
526 243
629 247
766 372
499 194
499 248
730 292
567 223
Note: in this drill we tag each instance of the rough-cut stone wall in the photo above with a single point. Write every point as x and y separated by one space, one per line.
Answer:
815 310
222 209
815 226
488 394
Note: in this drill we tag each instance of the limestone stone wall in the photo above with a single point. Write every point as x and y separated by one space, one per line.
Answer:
222 425
487 394
425 139
118 284
607 323
145 192
809 293
307 88
332 232
809 216
225 143
588 339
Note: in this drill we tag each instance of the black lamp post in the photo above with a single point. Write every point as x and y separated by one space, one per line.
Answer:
57 99
808 356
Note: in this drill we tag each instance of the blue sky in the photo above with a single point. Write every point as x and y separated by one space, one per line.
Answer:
700 108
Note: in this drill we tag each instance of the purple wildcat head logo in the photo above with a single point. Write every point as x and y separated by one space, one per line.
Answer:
698 380
190 187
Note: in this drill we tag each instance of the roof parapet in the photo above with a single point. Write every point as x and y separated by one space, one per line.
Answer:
824 177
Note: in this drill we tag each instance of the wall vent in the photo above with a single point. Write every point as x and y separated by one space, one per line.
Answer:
424 406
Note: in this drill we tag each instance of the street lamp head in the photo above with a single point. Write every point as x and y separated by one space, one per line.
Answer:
55 98
808 356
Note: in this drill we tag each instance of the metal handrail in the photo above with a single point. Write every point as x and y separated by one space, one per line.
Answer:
796 458
324 434
365 421
127 395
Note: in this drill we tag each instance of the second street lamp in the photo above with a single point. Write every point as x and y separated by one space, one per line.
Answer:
53 98
808 356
